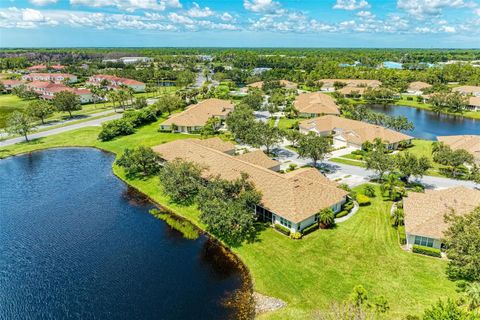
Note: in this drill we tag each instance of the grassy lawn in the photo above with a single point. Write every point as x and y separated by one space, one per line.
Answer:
285 123
348 161
311 273
424 148
8 104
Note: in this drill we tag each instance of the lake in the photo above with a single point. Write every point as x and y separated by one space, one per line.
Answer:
76 242
429 125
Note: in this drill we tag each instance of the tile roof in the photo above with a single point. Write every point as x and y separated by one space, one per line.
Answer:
418 85
424 212
470 143
353 131
295 196
352 82
350 90
259 158
467 89
287 84
315 103
198 114
474 101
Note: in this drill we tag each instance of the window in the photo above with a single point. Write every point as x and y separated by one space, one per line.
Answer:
423 241
285 222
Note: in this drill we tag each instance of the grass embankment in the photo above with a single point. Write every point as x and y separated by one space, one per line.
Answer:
310 273
8 104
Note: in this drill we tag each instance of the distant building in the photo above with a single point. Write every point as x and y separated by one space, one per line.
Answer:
196 116
258 71
47 90
352 133
129 60
11 84
474 104
285 83
43 67
329 84
315 104
425 213
469 143
52 77
416 88
114 82
473 90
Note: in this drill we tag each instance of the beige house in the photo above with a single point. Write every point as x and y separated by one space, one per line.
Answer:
416 88
352 133
292 200
474 103
468 90
424 213
196 116
315 104
285 83
470 143
328 84
114 82
51 77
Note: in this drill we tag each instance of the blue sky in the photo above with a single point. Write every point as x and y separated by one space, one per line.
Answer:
240 23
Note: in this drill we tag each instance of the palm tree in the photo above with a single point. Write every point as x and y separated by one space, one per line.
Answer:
398 217
472 293
112 96
326 218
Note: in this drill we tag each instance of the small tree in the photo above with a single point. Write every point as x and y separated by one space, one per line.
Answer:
181 180
19 123
472 294
410 165
210 127
326 218
40 109
262 135
141 160
448 310
294 136
314 147
398 217
67 101
378 160
169 103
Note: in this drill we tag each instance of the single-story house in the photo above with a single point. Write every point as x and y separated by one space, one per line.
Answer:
11 84
473 103
425 213
284 83
328 84
352 133
315 104
292 200
114 83
43 67
47 90
416 88
352 91
468 90
196 116
52 77
470 143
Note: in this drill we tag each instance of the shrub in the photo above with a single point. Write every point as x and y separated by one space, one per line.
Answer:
409 98
427 251
310 229
359 157
369 191
282 229
112 129
342 213
363 200
402 236
417 189
296 235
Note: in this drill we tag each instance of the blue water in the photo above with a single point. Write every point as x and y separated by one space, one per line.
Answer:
429 125
77 243
392 65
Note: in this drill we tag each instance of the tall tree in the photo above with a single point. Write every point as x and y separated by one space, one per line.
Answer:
19 123
40 109
314 147
378 160
67 101
139 161
263 135
168 103
181 180
409 165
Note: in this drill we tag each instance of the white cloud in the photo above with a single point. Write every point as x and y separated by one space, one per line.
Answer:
351 4
130 5
42 2
448 29
227 17
179 19
24 18
263 6
365 14
422 8
196 12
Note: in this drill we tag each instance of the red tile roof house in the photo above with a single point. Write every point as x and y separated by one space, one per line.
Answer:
115 82
53 77
47 90
11 84
42 67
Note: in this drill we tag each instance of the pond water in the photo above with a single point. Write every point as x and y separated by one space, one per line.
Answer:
77 243
429 125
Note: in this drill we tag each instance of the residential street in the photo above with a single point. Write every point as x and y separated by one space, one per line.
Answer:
95 122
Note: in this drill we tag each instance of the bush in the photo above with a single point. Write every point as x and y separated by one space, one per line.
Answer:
342 213
363 200
417 189
369 191
282 229
296 235
427 251
115 128
402 236
310 229
410 98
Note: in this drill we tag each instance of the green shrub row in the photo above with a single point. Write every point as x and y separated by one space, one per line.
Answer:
363 200
427 251
310 229
282 229
342 213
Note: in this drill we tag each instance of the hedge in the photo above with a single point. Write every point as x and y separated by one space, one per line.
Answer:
363 200
427 251
402 236
342 213
282 229
310 229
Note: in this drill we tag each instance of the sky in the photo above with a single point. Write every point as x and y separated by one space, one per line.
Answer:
240 23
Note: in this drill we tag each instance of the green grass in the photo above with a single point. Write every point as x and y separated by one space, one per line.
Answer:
284 123
348 161
8 104
310 273
424 148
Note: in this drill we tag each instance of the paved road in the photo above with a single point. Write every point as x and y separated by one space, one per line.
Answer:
358 175
95 122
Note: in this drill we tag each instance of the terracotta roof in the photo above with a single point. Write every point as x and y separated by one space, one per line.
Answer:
295 197
418 85
287 84
353 131
198 114
424 212
470 143
110 78
316 103
52 75
259 158
352 82
467 89
11 82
